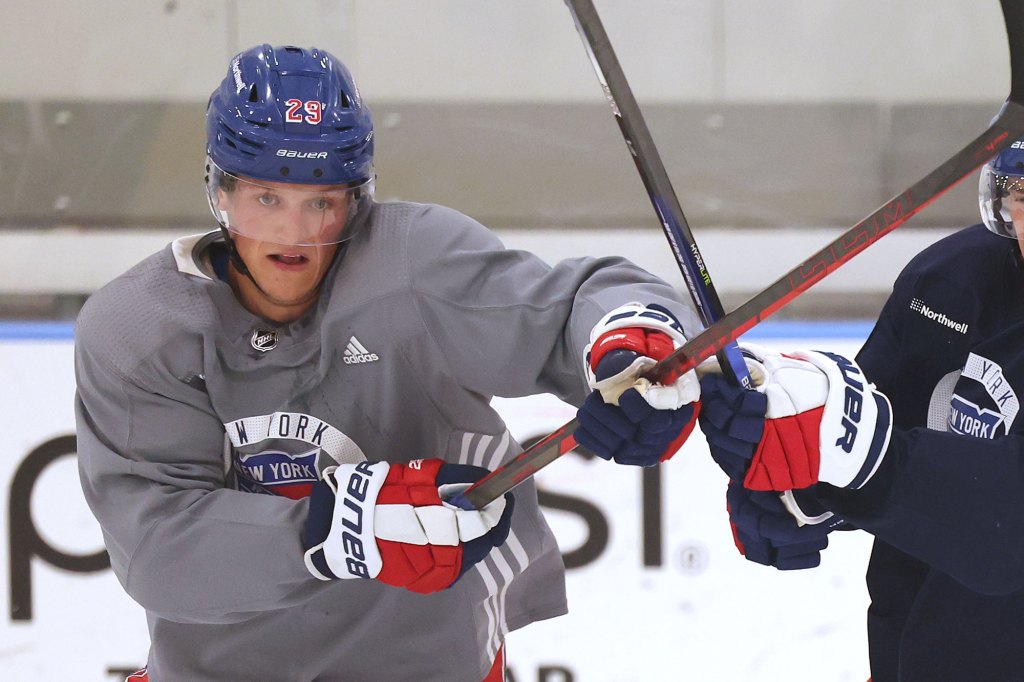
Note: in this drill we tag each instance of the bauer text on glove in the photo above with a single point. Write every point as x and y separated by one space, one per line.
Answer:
389 522
820 420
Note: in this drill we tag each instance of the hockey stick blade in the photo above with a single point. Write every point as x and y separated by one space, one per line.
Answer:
1008 126
655 178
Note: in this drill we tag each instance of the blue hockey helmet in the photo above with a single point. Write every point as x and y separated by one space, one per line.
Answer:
1001 192
288 114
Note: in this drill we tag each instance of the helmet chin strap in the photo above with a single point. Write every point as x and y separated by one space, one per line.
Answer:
235 257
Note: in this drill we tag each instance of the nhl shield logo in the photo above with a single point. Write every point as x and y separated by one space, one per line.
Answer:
264 339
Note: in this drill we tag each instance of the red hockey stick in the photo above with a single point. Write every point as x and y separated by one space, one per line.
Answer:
1008 126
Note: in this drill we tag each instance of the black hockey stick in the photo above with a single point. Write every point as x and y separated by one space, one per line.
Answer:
656 181
1008 126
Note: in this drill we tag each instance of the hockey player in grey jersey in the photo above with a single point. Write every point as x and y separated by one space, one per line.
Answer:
271 415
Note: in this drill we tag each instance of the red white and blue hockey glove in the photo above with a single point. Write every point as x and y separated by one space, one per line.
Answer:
390 522
627 419
813 418
765 531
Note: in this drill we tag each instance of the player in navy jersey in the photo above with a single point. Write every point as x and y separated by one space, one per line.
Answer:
272 416
919 442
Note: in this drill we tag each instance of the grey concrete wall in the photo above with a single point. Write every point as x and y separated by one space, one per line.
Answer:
527 50
770 165
781 115
767 114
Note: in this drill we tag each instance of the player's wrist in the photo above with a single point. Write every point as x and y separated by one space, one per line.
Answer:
856 422
626 341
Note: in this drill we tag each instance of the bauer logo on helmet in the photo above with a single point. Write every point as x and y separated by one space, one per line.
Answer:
294 154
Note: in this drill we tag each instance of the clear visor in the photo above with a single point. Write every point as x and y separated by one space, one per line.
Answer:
1001 199
284 213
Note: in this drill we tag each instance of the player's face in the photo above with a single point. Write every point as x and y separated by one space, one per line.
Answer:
284 213
1014 201
287 235
285 280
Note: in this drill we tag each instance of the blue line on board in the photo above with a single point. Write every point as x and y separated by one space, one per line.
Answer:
36 331
811 329
781 329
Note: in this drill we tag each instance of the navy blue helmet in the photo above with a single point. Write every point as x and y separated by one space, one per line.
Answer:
288 114
1001 191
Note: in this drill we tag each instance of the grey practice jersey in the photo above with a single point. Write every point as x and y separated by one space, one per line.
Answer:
201 428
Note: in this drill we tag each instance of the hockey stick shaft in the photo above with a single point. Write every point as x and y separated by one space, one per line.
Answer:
888 217
1008 126
654 176
727 329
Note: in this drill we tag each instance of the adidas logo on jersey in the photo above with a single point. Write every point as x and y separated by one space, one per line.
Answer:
919 306
356 353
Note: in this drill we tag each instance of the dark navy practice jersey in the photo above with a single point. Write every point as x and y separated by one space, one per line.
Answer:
946 576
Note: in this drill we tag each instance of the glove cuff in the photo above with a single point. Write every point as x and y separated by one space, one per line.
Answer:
648 333
631 315
856 423
349 550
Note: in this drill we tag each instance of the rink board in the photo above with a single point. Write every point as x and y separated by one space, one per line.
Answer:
661 595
